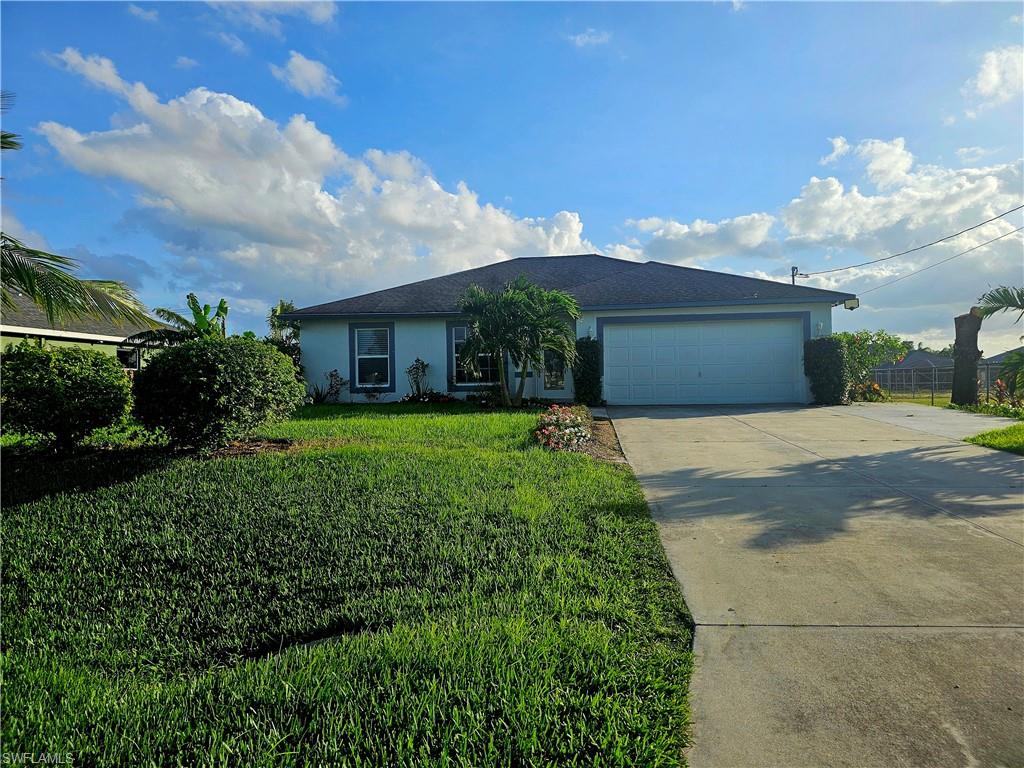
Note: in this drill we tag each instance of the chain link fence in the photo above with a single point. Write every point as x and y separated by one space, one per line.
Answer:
933 381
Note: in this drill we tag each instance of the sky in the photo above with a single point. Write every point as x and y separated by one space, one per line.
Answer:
312 151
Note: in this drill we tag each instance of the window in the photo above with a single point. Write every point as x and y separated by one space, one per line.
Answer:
554 370
373 353
488 366
128 358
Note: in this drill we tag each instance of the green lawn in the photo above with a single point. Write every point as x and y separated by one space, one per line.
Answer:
1007 439
941 399
480 602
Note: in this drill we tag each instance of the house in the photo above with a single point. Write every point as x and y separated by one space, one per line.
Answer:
998 359
670 335
29 321
919 358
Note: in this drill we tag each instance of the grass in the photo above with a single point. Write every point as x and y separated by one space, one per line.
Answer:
1007 439
941 399
480 602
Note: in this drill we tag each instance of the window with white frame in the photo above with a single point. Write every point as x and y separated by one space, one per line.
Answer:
128 358
487 364
373 357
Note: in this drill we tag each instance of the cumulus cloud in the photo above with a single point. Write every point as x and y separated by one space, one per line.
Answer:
999 79
308 77
589 38
150 15
701 240
888 162
266 16
840 147
247 205
184 62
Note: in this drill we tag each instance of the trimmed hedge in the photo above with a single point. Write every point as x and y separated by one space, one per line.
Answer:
827 367
207 392
586 372
66 392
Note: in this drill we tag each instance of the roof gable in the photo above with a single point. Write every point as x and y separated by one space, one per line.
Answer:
596 281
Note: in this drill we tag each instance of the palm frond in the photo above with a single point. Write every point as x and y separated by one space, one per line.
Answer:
1002 299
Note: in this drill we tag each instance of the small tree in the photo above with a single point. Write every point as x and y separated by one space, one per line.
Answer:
1007 299
520 322
866 350
206 323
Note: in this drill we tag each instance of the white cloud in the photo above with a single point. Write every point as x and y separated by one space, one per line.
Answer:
265 16
184 62
972 154
233 43
308 77
1000 78
1017 19
702 240
949 120
254 208
738 5
888 162
590 37
150 15
840 147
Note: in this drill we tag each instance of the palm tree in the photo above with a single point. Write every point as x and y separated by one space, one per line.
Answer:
519 323
1007 299
47 280
206 323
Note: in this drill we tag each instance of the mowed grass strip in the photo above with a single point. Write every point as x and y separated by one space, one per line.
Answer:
1009 438
478 606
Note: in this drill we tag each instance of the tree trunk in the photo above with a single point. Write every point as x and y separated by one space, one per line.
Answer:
522 385
965 358
506 400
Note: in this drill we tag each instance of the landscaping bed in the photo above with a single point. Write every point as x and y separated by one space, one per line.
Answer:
406 585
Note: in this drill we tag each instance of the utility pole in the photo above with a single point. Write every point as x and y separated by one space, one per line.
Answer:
793 272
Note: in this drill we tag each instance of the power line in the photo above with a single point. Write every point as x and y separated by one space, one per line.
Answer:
943 261
911 250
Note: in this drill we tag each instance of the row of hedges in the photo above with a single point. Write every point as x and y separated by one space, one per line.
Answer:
200 394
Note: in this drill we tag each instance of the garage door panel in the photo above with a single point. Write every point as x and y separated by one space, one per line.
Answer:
720 361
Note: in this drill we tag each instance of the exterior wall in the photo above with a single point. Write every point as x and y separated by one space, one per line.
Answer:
325 345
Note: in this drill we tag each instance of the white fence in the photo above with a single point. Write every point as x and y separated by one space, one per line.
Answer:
933 381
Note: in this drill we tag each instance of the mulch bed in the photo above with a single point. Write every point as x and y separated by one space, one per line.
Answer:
251 448
604 444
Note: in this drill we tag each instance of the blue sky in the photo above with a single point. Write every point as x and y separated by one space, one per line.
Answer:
163 147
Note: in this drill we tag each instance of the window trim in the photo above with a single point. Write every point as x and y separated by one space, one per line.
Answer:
138 357
449 328
355 388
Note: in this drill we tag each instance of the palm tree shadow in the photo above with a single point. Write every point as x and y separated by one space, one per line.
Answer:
823 496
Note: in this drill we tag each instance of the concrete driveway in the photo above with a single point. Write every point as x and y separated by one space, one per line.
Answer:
856 576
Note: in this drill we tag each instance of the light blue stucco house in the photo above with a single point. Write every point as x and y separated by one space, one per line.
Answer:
670 335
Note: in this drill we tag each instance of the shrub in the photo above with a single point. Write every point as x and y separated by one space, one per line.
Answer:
417 374
827 368
209 391
66 392
992 409
867 392
866 350
429 397
562 428
330 392
586 371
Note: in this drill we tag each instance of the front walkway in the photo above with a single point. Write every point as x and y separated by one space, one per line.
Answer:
858 586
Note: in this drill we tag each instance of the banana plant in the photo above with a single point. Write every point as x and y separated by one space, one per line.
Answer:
206 323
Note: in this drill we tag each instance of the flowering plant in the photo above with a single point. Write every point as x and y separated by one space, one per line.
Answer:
562 428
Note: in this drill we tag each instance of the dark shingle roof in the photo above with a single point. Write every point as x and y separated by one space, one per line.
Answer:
29 315
596 282
920 358
1001 356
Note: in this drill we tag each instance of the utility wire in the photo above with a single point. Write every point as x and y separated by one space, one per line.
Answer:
943 261
918 248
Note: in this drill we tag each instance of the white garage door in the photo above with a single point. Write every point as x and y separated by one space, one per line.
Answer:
720 361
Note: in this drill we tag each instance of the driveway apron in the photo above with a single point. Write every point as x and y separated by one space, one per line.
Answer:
856 576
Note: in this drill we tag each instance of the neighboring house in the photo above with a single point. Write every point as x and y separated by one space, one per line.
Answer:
670 334
29 321
998 359
919 358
